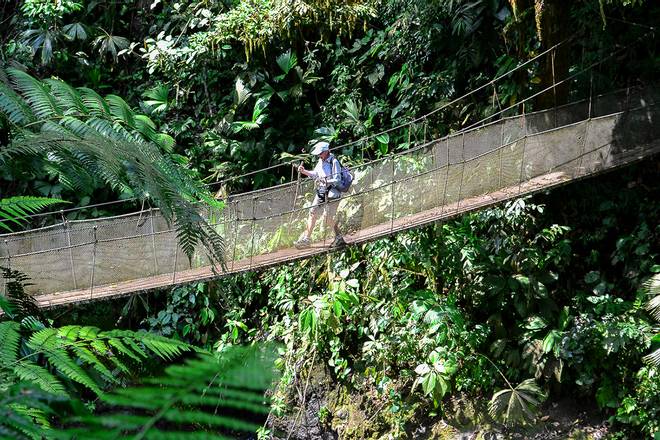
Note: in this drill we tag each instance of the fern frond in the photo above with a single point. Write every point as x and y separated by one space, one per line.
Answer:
33 373
135 347
85 355
42 340
653 357
51 345
182 417
113 146
36 94
12 105
94 102
17 304
188 402
119 365
61 360
123 349
70 332
16 209
652 288
120 110
9 338
25 412
162 347
68 98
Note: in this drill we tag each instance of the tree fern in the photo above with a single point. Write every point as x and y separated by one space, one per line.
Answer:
16 209
88 140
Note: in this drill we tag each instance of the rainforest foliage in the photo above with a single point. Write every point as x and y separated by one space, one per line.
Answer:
160 102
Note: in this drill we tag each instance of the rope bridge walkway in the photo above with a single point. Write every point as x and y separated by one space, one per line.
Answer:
78 261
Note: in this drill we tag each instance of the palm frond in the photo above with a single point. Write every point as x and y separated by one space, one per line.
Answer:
120 110
652 288
94 102
516 405
68 98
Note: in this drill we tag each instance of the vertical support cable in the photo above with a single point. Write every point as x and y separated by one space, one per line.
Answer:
499 180
153 239
253 222
444 192
91 281
392 191
587 129
522 158
8 254
409 129
176 259
4 281
591 91
554 87
522 165
460 185
65 225
426 124
236 223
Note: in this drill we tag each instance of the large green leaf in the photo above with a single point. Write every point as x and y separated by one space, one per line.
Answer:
516 405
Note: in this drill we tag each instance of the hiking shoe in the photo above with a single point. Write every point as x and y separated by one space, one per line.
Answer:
301 243
339 242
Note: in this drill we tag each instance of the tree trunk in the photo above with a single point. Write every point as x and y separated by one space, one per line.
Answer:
552 28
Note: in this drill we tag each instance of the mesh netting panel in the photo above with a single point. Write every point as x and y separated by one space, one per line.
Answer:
511 159
435 180
481 175
547 151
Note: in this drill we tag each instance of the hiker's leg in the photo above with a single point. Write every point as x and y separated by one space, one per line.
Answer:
331 216
311 222
313 216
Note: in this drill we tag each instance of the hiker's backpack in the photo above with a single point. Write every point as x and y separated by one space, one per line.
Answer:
346 178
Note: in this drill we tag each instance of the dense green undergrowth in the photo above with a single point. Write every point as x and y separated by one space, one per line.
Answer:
542 292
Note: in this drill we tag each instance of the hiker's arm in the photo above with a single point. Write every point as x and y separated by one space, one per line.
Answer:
308 173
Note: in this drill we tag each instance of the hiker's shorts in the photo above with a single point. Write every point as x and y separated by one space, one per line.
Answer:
319 204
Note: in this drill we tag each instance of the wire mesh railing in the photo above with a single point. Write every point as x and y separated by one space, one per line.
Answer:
89 259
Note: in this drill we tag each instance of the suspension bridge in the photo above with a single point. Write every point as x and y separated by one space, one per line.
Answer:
77 261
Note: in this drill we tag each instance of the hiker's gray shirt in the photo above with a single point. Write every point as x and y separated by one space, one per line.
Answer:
327 172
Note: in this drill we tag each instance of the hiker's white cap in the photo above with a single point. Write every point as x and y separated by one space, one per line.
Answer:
320 147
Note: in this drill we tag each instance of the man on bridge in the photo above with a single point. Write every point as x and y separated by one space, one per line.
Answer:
327 175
